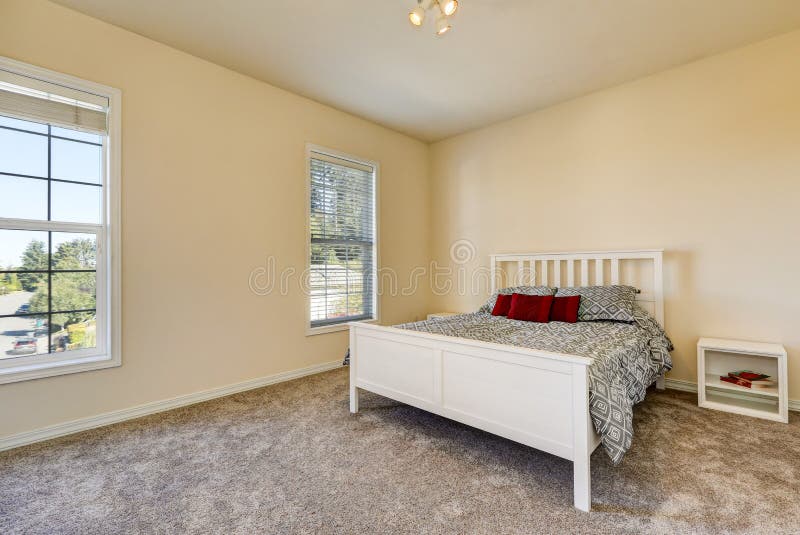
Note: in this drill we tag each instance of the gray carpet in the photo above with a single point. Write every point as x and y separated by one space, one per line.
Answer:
290 459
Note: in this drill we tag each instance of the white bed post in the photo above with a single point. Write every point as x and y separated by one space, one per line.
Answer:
582 427
661 382
353 388
658 296
492 274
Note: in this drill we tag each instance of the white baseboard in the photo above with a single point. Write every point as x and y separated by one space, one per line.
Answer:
689 386
83 424
683 386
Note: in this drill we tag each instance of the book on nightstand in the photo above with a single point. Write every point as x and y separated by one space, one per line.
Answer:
748 379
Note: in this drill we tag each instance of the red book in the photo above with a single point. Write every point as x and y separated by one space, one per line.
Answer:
756 380
749 376
736 381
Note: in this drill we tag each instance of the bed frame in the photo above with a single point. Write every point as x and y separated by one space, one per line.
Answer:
537 398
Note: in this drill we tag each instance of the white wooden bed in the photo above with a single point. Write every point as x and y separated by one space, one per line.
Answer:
537 398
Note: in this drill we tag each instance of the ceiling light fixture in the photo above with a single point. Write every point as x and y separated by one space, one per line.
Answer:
417 16
442 26
446 8
449 6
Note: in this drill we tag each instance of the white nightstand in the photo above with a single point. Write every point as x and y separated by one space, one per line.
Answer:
437 315
716 357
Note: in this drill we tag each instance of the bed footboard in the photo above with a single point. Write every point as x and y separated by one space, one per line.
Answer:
536 398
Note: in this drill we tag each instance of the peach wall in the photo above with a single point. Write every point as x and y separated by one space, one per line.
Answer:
702 160
207 197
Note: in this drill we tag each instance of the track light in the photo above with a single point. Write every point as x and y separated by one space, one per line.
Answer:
417 16
442 27
448 6
444 9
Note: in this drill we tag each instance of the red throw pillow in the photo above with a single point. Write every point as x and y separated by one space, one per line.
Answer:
502 305
565 309
530 307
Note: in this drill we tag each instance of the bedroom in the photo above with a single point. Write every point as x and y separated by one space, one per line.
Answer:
669 126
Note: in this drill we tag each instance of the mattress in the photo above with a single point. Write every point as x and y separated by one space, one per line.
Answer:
627 358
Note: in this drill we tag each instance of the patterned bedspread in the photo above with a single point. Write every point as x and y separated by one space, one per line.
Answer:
627 359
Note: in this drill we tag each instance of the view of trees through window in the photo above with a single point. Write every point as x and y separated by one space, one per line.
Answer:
342 241
48 278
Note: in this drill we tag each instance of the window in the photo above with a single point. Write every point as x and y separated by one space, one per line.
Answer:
59 224
342 248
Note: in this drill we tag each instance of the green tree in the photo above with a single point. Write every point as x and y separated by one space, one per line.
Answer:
76 254
13 282
33 258
70 291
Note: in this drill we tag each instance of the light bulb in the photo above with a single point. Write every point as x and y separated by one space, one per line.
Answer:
442 27
448 6
417 16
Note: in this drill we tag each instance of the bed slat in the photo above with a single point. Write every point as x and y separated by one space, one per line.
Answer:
584 272
544 274
614 271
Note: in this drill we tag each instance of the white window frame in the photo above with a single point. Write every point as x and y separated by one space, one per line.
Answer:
108 352
312 148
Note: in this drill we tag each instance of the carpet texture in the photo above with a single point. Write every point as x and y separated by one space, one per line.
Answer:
289 458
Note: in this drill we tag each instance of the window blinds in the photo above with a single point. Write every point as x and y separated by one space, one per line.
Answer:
30 99
342 228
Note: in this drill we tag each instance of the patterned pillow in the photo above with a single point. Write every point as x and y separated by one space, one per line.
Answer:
616 303
525 290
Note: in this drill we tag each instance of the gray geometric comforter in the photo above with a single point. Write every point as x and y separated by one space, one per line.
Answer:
627 359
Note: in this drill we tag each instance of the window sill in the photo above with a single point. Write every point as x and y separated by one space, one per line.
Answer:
30 371
313 331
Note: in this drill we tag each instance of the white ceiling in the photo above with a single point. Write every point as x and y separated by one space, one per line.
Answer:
502 58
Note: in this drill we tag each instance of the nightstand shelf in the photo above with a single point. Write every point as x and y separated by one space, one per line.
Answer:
717 357
713 381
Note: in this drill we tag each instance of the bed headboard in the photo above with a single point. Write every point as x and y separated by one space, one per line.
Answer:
641 269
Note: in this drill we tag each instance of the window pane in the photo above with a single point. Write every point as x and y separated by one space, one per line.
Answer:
341 202
23 154
23 125
75 203
23 198
74 291
76 161
339 281
73 331
21 336
23 249
74 251
75 134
